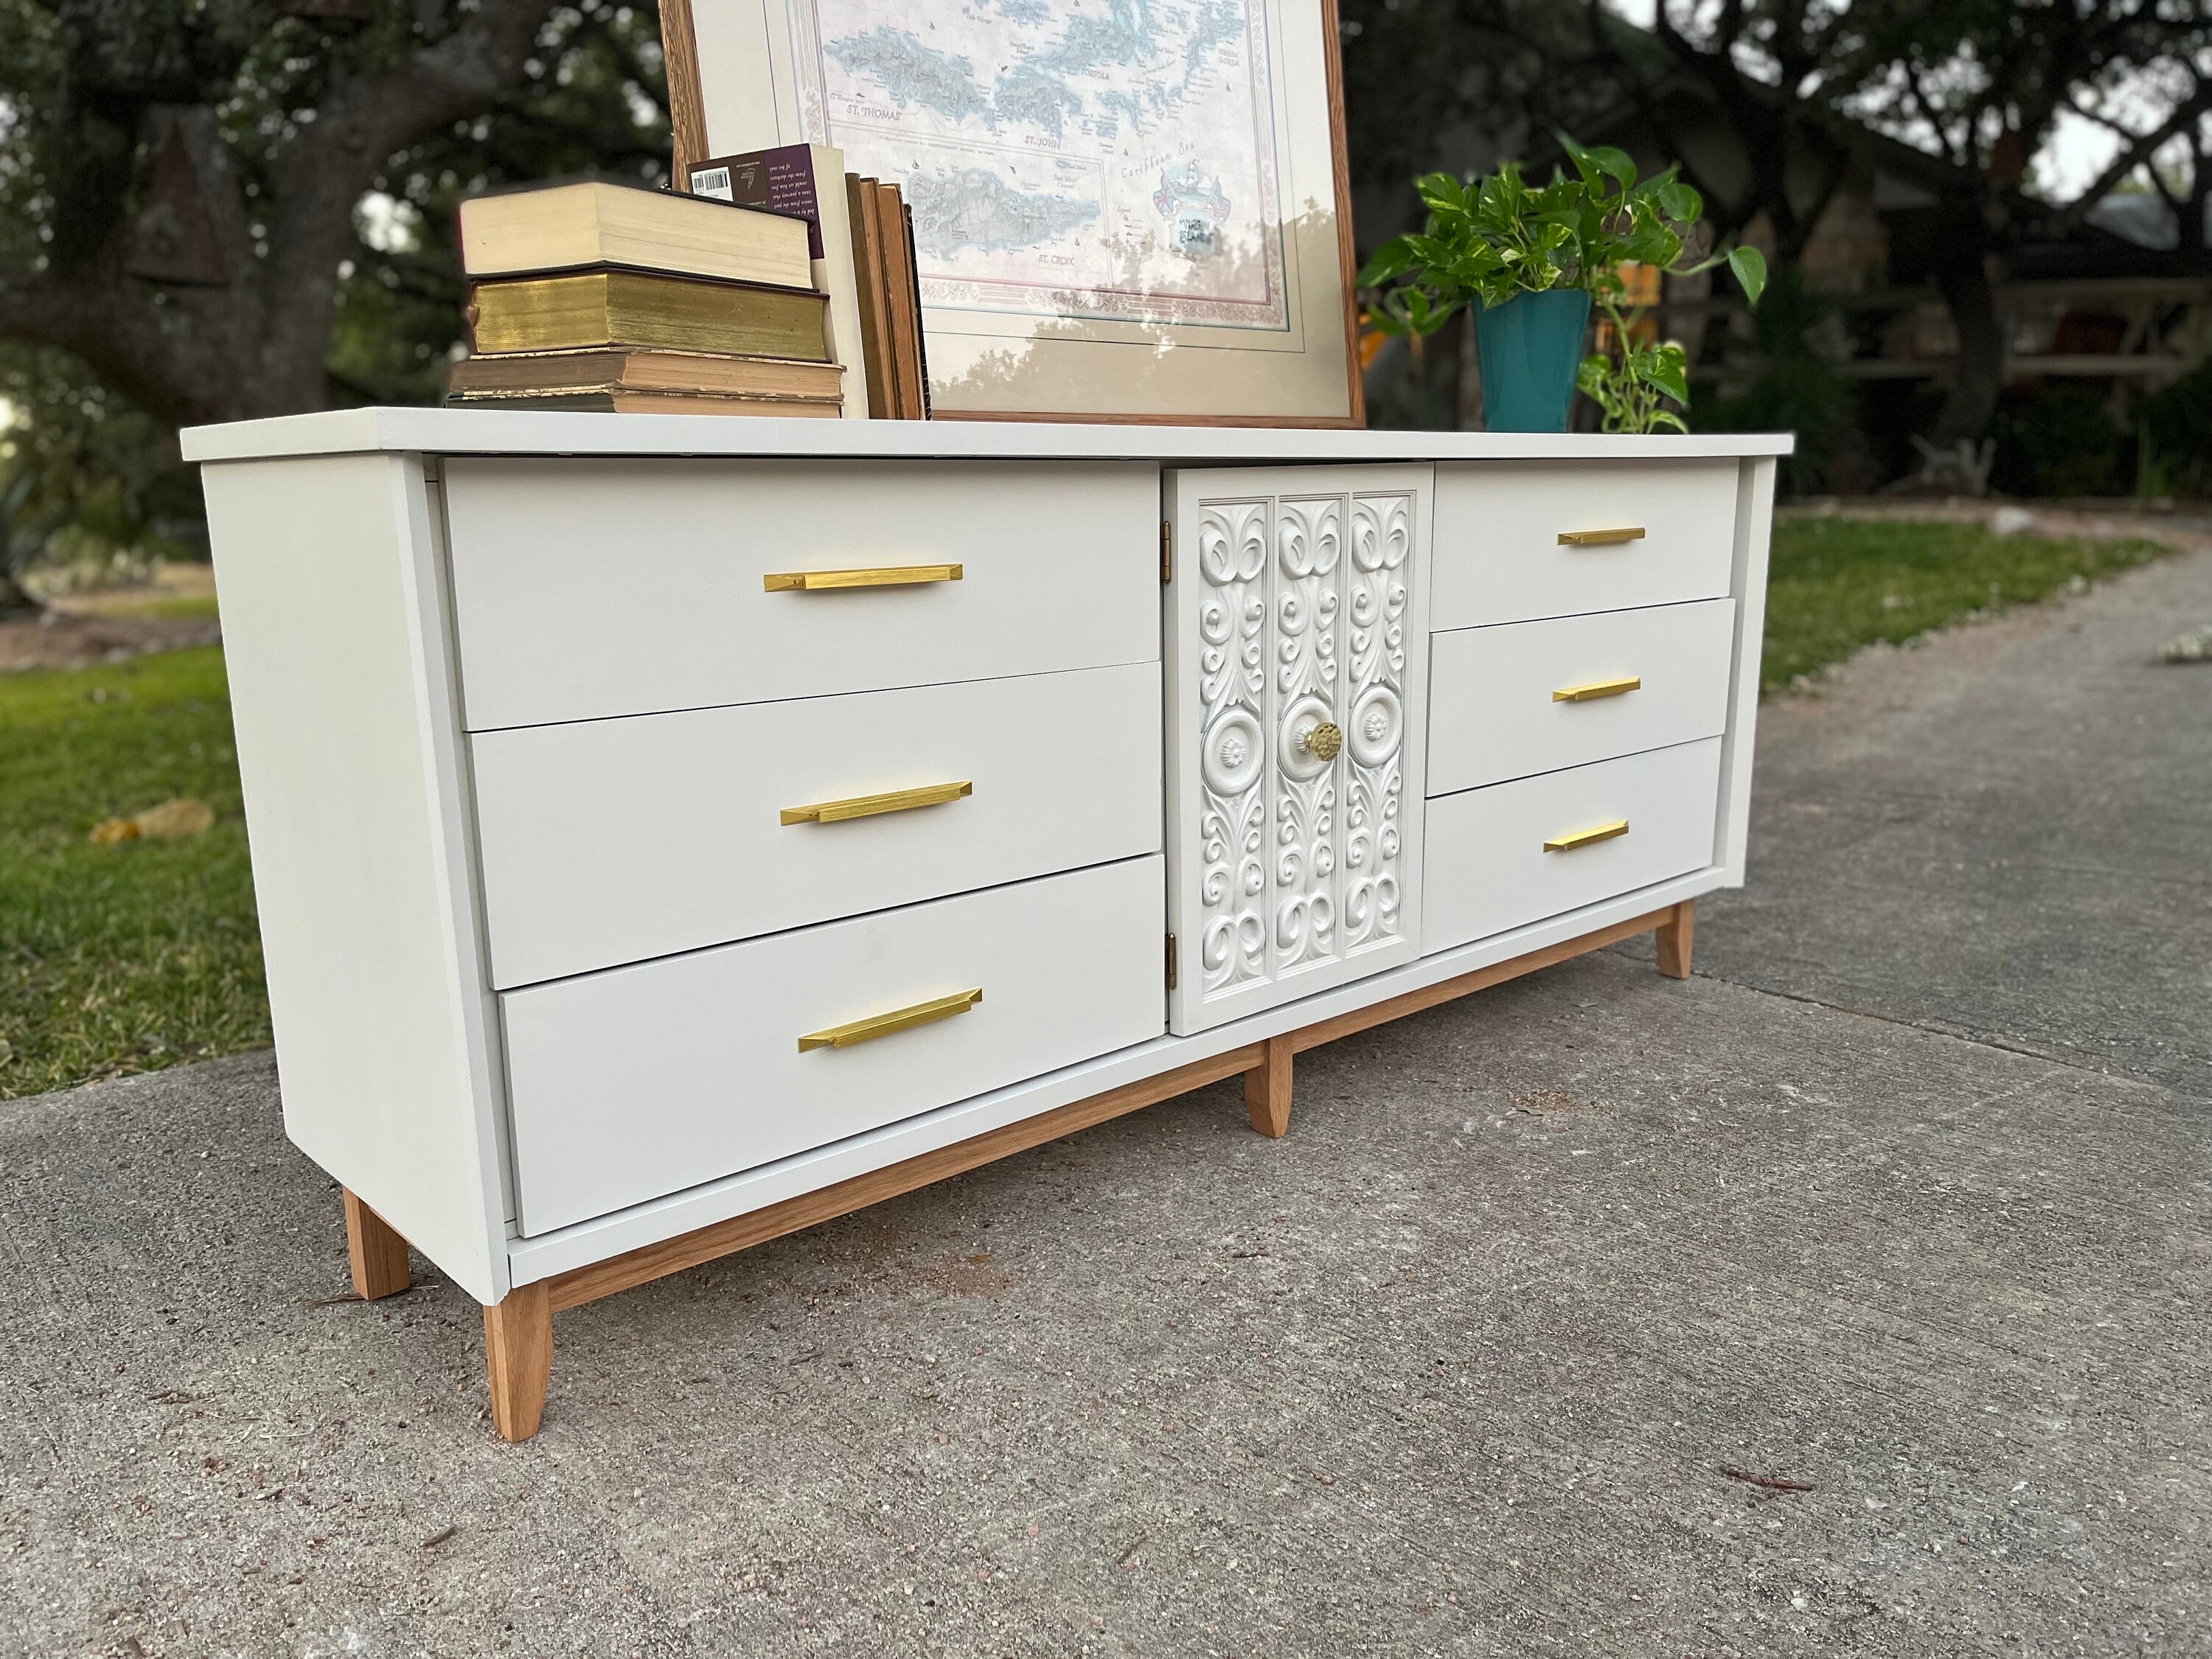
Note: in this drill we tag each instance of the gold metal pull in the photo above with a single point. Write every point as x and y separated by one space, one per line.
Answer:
1601 538
1587 837
866 806
899 1019
1591 690
889 575
1322 740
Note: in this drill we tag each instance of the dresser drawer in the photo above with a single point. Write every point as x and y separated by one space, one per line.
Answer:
1488 868
586 589
641 1081
1499 556
1523 697
608 842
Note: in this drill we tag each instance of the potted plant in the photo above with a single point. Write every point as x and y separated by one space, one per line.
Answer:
1534 259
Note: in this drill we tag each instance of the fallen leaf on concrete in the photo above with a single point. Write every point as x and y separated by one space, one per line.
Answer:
1772 1483
1542 1101
172 820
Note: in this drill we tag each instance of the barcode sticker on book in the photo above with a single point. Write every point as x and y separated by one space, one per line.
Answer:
779 180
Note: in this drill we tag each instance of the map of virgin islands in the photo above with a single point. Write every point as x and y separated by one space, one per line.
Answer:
1116 130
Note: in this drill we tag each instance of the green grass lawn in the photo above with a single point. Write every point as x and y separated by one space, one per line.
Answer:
125 958
1835 585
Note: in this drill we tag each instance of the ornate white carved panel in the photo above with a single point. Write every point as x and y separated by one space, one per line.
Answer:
1296 645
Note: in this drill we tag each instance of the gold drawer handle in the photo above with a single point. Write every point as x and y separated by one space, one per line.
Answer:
1592 690
1587 837
899 1019
866 806
1601 538
889 575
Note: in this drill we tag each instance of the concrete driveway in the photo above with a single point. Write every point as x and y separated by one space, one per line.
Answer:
1900 1209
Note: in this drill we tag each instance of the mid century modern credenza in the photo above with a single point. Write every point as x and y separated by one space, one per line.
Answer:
672 831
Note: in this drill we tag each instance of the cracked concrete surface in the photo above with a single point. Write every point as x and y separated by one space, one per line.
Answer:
1903 1200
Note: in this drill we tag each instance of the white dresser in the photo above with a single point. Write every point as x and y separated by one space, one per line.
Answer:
671 832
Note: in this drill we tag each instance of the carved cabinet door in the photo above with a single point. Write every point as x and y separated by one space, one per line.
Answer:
1297 635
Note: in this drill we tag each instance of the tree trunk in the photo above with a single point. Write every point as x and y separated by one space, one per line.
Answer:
1962 277
16 600
241 333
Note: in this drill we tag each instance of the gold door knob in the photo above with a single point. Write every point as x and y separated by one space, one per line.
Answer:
1322 740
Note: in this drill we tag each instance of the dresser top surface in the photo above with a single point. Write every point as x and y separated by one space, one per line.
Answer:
545 432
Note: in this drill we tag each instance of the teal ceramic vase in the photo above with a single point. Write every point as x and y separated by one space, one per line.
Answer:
1529 349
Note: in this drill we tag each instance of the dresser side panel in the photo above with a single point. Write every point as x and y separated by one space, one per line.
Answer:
333 612
1754 533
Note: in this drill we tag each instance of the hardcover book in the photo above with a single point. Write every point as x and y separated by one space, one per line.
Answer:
654 402
593 224
619 307
645 370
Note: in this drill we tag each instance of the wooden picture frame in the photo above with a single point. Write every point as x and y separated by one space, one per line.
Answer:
750 75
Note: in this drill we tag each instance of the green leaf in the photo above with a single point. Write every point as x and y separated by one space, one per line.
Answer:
1441 193
1585 161
1614 164
1393 259
1669 373
1384 318
1680 203
1749 265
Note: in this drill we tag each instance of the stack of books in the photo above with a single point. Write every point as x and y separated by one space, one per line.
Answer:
608 296
864 259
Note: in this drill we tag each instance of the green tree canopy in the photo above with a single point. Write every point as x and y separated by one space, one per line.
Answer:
215 209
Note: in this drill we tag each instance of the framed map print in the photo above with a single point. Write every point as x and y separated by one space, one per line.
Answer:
1123 210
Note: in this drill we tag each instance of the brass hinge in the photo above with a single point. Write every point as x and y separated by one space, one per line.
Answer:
1171 962
1167 552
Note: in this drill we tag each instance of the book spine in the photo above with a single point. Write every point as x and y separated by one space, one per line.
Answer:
868 281
898 300
920 333
905 400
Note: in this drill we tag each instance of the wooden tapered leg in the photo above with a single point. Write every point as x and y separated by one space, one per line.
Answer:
378 1254
1674 937
519 1359
1268 1089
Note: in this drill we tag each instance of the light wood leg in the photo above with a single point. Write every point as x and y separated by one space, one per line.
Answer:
1268 1091
379 1256
519 1359
1675 939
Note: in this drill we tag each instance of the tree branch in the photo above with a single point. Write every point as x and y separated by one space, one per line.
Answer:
329 165
2143 147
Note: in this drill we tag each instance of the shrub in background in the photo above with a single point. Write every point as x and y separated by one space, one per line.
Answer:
2055 440
1794 388
2173 435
